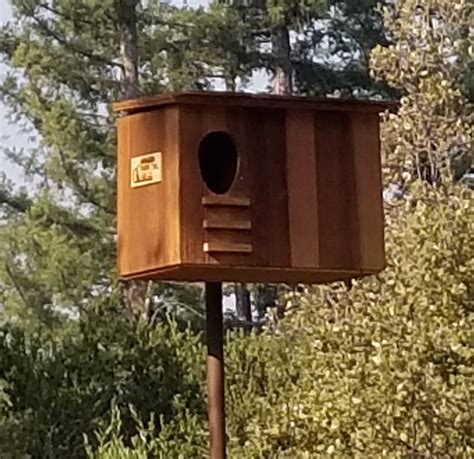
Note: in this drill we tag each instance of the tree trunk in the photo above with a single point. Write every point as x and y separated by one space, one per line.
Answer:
242 302
281 49
127 14
136 294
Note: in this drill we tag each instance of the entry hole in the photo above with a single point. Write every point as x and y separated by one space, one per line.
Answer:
218 161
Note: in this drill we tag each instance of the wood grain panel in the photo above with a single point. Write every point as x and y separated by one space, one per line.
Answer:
227 247
337 214
227 235
270 209
239 126
172 185
227 213
366 144
227 224
192 185
123 194
149 223
225 200
302 191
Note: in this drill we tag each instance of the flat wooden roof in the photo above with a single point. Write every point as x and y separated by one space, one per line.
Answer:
230 99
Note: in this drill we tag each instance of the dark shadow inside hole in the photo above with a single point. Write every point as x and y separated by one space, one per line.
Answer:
218 161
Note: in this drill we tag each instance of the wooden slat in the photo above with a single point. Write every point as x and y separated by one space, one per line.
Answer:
227 224
237 120
302 191
226 247
366 142
192 186
224 200
337 215
171 184
123 195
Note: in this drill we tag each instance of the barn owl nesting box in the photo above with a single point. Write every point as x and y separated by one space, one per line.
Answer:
232 187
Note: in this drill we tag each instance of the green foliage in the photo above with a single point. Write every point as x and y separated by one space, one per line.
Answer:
181 437
58 388
432 135
384 369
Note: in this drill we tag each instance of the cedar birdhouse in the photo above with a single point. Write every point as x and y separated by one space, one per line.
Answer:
233 187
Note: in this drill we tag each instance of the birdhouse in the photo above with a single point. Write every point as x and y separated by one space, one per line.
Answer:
233 187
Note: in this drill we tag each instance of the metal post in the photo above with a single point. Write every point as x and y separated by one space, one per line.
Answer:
215 370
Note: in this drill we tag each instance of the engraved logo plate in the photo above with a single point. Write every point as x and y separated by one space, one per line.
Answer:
146 170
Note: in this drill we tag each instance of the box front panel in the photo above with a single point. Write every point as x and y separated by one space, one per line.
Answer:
245 224
148 186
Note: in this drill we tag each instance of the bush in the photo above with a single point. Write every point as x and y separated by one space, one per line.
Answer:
55 390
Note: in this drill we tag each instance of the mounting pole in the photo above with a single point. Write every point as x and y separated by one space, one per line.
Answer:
215 370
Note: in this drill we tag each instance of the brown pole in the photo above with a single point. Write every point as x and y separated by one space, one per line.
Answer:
215 370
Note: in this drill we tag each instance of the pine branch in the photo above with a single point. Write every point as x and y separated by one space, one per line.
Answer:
94 58
83 190
64 15
21 205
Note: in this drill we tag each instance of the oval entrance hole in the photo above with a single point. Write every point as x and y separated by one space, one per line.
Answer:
218 161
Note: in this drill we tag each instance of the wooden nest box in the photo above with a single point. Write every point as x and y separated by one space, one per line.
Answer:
233 187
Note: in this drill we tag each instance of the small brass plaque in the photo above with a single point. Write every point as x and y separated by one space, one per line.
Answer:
146 170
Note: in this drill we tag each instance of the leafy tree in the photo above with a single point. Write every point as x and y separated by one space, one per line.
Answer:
431 137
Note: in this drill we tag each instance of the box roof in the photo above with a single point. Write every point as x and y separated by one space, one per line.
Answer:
230 99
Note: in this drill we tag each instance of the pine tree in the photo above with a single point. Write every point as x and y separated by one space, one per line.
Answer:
68 63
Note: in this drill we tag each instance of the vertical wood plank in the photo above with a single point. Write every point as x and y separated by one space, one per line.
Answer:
239 126
270 211
302 191
123 193
366 142
172 186
192 186
337 215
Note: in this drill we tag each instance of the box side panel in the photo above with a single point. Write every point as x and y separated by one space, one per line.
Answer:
368 170
336 184
148 215
302 188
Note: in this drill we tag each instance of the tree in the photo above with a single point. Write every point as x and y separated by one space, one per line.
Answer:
431 137
55 389
270 22
67 64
